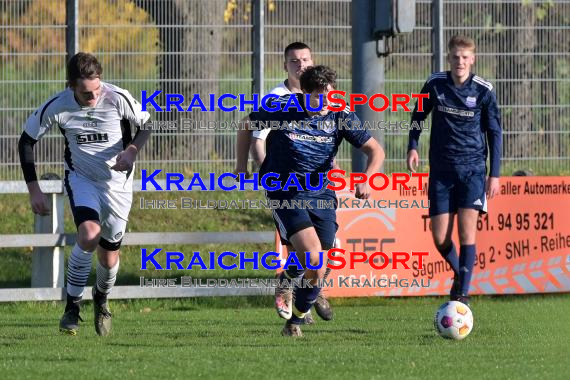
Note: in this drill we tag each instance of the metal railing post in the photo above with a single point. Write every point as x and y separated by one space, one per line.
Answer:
438 45
71 33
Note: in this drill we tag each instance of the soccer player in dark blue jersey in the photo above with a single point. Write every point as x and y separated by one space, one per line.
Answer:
298 58
307 147
466 126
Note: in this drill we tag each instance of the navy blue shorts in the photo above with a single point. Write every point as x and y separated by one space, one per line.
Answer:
450 191
292 220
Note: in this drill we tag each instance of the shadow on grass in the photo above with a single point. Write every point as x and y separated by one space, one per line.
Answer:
28 324
16 269
16 283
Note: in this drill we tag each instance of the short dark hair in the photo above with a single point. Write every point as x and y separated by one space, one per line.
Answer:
295 46
318 78
83 66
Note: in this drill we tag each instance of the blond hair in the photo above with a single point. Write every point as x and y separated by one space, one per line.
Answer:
459 41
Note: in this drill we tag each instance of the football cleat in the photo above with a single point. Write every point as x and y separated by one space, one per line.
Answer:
323 307
69 322
308 319
284 298
455 288
464 299
103 316
291 329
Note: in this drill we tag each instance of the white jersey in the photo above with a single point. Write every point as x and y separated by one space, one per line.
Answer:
93 135
279 90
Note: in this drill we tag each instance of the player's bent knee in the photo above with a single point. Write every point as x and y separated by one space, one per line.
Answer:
467 238
315 258
88 235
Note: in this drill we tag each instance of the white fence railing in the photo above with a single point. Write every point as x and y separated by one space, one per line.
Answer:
49 239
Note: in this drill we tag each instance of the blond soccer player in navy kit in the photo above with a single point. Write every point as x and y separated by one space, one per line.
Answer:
95 118
466 128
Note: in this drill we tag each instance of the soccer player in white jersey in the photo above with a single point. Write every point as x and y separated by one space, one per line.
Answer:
95 119
297 59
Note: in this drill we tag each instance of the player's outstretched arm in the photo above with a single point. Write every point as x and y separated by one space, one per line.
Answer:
375 155
256 146
257 150
131 110
242 148
492 121
413 160
127 157
492 187
418 116
38 200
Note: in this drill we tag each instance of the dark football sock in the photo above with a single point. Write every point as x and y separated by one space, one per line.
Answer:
466 264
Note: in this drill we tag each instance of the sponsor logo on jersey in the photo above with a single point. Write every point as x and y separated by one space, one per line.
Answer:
317 139
92 138
90 124
455 111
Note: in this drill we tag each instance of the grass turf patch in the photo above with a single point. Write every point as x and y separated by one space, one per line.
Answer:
514 337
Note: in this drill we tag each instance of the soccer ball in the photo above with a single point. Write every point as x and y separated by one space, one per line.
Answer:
453 320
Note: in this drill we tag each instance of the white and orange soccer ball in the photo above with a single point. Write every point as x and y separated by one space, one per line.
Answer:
453 320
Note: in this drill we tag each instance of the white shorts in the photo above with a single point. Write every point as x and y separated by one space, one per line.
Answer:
109 203
261 134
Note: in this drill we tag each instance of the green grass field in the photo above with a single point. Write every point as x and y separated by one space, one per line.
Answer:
227 338
230 338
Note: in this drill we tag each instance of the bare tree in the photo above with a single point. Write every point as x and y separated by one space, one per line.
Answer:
190 36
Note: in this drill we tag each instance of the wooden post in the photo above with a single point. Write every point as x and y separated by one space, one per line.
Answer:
48 262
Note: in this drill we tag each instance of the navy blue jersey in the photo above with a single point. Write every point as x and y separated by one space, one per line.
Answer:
309 146
464 119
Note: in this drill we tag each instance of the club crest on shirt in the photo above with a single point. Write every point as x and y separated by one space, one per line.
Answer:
471 101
